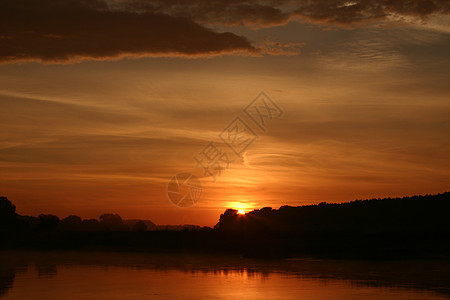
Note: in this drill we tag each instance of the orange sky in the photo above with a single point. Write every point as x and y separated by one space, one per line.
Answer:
98 117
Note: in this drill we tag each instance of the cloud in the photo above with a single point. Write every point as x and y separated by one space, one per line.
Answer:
272 13
70 30
234 12
366 11
73 30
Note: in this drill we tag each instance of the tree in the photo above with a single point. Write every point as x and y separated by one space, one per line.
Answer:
8 216
139 226
70 223
90 225
112 222
47 222
227 219
7 209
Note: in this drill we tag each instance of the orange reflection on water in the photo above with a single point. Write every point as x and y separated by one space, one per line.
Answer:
73 281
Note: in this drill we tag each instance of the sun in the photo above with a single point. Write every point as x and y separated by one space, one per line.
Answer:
240 206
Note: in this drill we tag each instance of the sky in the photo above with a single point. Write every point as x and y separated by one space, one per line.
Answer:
103 102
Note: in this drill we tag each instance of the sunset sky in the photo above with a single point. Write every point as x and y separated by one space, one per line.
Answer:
103 101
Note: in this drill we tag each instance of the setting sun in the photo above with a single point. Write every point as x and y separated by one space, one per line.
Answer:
241 206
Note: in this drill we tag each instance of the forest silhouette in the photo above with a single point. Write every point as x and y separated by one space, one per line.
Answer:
400 228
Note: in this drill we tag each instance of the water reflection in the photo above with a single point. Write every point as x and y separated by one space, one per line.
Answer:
8 271
138 276
6 280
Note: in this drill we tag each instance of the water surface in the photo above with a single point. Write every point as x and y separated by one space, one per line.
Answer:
96 275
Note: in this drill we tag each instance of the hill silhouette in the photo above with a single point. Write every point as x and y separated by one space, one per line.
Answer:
400 228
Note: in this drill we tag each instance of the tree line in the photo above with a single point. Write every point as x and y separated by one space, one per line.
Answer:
409 227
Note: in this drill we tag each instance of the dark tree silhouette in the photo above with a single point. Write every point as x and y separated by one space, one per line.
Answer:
112 222
139 226
10 221
7 212
30 222
401 215
90 225
150 226
227 219
70 223
47 223
409 227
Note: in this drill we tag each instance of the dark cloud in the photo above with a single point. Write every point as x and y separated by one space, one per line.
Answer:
278 12
70 30
231 12
354 12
